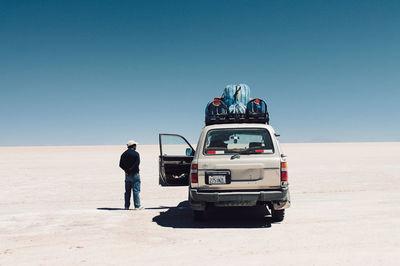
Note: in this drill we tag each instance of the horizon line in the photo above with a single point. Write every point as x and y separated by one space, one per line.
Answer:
281 142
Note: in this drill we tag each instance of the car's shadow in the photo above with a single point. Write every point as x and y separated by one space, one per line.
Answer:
232 217
131 209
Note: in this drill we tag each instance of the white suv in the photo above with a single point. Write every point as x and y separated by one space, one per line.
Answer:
233 165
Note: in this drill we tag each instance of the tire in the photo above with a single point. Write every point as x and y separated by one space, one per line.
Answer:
198 215
278 215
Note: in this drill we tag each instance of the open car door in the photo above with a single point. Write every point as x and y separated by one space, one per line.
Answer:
176 155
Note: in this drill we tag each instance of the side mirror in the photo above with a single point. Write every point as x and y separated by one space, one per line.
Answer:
189 152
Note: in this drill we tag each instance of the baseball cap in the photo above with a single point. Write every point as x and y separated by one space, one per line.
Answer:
131 142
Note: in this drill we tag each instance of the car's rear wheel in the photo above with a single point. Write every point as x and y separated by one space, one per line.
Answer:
278 215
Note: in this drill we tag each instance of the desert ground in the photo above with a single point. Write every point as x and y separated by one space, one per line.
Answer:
63 206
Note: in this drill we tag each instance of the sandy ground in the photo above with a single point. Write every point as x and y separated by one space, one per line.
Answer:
61 206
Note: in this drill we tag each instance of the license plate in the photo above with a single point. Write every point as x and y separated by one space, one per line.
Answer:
216 179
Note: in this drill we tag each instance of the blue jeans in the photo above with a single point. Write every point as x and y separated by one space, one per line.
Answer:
132 183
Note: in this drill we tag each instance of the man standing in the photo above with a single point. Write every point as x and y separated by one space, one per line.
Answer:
129 162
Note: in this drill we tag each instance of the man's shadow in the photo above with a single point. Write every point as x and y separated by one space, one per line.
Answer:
230 217
111 209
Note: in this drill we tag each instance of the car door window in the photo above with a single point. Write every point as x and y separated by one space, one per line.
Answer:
172 145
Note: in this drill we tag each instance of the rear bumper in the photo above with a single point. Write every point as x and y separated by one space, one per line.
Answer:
239 196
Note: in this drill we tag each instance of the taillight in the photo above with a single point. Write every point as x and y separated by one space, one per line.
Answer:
215 152
284 173
193 175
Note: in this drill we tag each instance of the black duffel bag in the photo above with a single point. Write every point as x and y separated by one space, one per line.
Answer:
257 110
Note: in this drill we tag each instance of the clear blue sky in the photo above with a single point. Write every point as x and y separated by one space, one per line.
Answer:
103 72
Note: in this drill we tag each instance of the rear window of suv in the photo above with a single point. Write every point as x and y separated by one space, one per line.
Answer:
238 141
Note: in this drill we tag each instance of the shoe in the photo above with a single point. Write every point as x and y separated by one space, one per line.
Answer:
139 208
126 208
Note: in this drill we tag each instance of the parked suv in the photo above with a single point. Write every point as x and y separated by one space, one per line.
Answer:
237 164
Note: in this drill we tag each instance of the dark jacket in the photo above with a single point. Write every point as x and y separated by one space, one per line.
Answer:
130 161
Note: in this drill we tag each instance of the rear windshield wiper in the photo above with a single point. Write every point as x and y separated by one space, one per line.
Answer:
247 152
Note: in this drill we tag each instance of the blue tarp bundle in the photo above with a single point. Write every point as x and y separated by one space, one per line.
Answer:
237 108
238 95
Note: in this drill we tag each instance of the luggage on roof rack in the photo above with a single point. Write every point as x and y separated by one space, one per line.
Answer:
257 110
242 94
218 113
236 94
236 106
